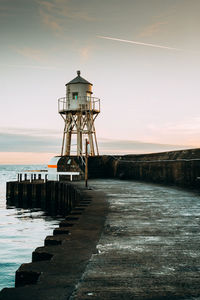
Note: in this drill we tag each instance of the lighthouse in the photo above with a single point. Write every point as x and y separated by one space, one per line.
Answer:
79 109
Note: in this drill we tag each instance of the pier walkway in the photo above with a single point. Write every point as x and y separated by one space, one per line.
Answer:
150 245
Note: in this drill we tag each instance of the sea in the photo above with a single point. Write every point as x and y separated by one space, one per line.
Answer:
21 230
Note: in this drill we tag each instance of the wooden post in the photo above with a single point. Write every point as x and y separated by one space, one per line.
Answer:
86 162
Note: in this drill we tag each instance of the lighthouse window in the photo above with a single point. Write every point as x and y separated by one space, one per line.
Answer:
75 96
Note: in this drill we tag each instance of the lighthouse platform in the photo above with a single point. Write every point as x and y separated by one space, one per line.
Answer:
82 104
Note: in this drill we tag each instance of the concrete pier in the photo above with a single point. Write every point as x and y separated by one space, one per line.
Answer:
124 240
149 248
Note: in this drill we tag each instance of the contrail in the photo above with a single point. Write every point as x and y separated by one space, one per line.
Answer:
139 43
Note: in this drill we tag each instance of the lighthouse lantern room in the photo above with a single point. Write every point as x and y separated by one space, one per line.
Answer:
79 110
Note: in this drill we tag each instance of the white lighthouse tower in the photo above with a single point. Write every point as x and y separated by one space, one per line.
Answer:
79 110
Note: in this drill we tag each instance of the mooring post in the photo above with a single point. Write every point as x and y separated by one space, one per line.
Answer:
10 192
59 196
52 187
86 162
18 194
68 198
43 196
45 177
25 195
34 195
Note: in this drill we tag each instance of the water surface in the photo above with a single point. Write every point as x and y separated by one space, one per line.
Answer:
21 230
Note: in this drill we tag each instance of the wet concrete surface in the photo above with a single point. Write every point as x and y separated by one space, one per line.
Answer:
150 245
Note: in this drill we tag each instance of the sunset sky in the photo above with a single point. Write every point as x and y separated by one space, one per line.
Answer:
142 56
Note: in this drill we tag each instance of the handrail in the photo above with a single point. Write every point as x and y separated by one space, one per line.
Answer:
33 175
81 103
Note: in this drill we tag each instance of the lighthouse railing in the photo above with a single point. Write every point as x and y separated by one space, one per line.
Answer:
81 104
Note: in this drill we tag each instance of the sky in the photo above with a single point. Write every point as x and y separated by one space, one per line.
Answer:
142 56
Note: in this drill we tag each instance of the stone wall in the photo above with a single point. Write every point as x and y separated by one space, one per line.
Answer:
174 167
179 168
182 173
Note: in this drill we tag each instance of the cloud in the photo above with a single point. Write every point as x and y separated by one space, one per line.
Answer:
48 13
47 5
19 142
48 18
187 131
85 52
152 29
29 131
24 158
51 22
109 146
28 67
34 54
56 13
66 9
14 8
49 141
29 140
6 10
5 14
189 125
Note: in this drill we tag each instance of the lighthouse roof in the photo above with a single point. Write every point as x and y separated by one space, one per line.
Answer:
78 79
